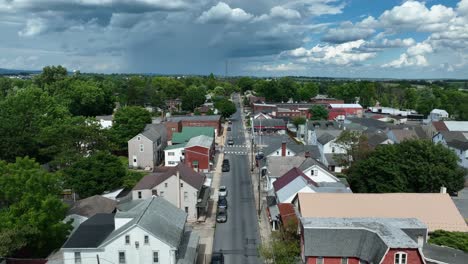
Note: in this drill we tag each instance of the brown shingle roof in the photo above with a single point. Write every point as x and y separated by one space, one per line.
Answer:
435 210
93 205
440 126
161 174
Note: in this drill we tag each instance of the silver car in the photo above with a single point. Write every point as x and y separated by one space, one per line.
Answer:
222 191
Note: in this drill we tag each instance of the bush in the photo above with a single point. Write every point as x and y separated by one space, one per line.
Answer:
458 240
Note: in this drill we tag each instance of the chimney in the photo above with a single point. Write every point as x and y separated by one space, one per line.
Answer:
443 189
283 148
307 154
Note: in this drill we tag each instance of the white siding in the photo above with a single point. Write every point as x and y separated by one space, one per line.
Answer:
320 175
277 153
110 252
172 161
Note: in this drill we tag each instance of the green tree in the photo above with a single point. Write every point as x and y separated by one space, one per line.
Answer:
284 245
226 107
458 240
128 122
95 174
51 74
307 91
411 166
245 84
32 214
318 112
299 121
355 144
23 117
193 97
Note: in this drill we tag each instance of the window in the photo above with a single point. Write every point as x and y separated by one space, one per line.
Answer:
185 196
195 164
138 138
122 257
333 149
77 257
141 148
127 239
155 257
314 172
319 260
139 195
165 184
400 258
344 260
173 129
146 239
161 194
170 153
289 153
186 209
154 192
277 152
181 185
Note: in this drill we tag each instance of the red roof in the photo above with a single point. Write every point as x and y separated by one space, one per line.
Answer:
288 177
440 126
287 212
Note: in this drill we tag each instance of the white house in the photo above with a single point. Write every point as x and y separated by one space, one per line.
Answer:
105 121
457 141
151 232
173 155
180 185
316 171
438 114
328 151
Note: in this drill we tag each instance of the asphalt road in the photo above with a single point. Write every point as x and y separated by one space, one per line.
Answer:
238 238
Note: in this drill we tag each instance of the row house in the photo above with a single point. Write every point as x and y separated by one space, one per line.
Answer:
177 123
146 149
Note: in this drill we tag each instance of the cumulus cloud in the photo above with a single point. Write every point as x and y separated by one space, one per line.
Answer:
282 67
341 54
318 7
222 13
33 27
286 13
414 56
391 43
347 32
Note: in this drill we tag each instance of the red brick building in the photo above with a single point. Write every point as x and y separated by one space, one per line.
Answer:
199 153
349 109
264 108
176 123
362 240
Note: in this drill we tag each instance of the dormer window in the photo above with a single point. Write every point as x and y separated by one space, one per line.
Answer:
400 258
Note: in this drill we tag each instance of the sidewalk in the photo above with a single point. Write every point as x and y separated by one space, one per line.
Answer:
206 229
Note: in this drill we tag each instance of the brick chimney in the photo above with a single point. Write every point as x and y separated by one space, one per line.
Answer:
283 148
307 154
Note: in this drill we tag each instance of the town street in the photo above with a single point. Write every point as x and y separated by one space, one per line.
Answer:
238 238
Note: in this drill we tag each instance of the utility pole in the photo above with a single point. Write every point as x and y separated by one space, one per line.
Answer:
259 191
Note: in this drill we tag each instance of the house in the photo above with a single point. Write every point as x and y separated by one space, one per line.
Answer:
325 100
391 111
362 240
277 166
461 126
174 105
435 210
329 150
290 148
176 123
146 150
349 109
189 132
438 115
151 232
316 128
317 171
199 153
174 155
377 138
105 121
179 185
399 135
83 209
269 125
261 116
457 142
264 108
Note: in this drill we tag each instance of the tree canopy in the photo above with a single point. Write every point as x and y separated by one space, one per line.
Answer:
128 122
32 214
226 107
318 112
411 166
95 174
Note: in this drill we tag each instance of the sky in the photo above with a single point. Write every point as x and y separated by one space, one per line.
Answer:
326 38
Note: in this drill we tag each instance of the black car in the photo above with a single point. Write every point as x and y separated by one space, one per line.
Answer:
226 168
225 162
229 129
217 258
222 202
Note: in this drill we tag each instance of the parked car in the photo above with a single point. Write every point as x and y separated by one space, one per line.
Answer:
217 258
230 142
229 129
222 202
222 191
229 122
225 162
221 215
226 168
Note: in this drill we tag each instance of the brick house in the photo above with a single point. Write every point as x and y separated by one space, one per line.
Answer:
362 240
199 153
176 123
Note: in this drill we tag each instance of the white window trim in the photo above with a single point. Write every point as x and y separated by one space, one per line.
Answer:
400 255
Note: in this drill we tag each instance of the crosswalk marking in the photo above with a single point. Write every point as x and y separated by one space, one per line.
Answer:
236 146
236 152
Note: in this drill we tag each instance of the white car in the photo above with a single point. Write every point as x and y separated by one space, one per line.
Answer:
222 191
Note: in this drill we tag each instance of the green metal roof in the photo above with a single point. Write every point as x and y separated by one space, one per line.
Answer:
190 132
175 146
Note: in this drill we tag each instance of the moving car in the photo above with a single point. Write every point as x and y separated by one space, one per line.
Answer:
230 142
222 191
226 168
225 162
229 129
217 258
221 217
229 122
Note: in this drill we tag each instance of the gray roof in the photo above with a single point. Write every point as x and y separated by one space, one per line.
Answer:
188 249
105 117
93 205
298 149
369 123
461 202
331 159
375 138
444 254
126 206
292 188
325 138
309 162
202 140
194 118
269 122
278 166
364 238
157 216
455 139
151 134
